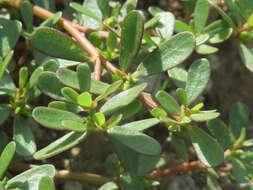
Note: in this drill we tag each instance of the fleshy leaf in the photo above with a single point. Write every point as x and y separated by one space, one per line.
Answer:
168 102
208 150
46 183
204 116
9 35
6 157
238 118
221 132
52 118
171 53
131 36
122 99
201 13
84 77
30 179
4 113
136 141
198 76
23 137
246 54
85 99
139 125
54 89
60 145
56 44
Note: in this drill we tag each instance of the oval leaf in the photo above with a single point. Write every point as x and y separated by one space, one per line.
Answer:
198 76
60 145
131 36
122 99
168 102
56 44
52 118
23 137
46 183
208 150
31 178
6 157
171 53
136 141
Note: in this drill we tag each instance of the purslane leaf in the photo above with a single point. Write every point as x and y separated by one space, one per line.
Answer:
58 146
136 141
122 99
246 54
201 13
168 102
46 183
55 43
30 179
171 53
131 36
23 137
52 118
6 157
208 150
198 77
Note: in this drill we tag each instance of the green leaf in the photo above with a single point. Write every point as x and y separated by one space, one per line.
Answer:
70 94
171 53
208 150
86 11
109 186
223 14
46 183
238 118
85 99
122 99
182 27
23 77
168 102
128 6
131 36
180 146
132 181
7 85
204 116
56 44
205 49
246 54
157 112
52 118
6 157
201 13
130 110
198 76
111 89
65 106
35 76
4 63
52 20
27 14
99 119
70 78
139 125
4 113
84 77
183 98
54 89
60 145
74 125
165 26
9 34
29 180
154 10
23 137
135 140
221 132
240 172
179 76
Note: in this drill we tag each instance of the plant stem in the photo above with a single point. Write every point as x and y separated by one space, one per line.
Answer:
82 177
183 168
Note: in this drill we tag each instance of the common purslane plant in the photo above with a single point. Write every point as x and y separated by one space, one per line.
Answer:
94 73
